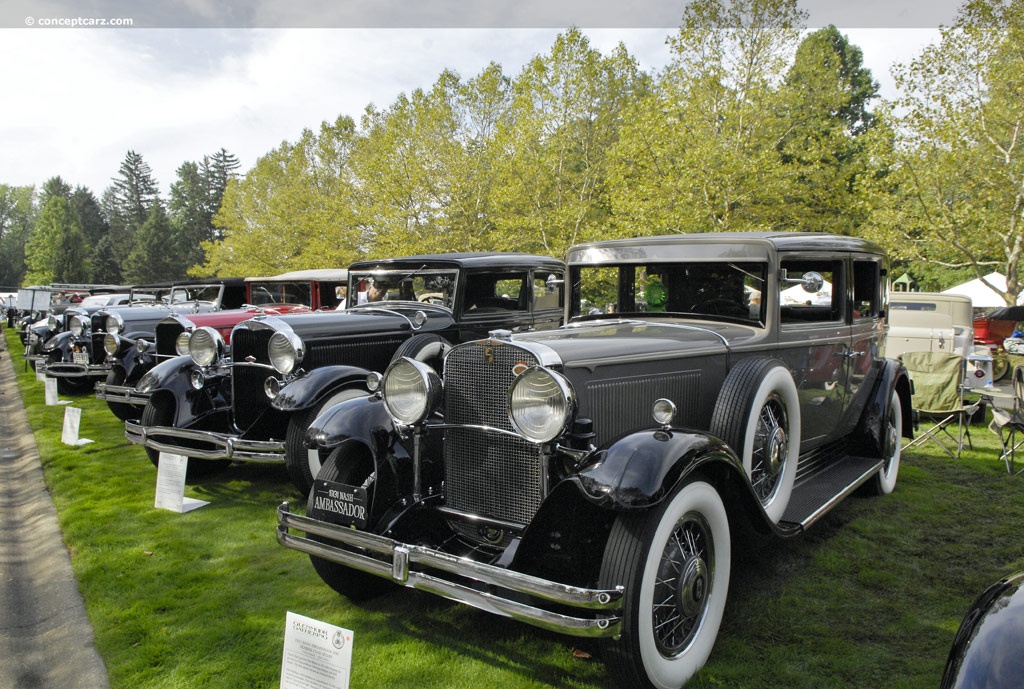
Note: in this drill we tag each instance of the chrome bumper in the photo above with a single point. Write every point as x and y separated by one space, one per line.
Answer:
123 394
205 444
393 561
66 369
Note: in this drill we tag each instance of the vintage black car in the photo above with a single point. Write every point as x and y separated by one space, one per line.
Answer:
988 650
76 357
295 291
589 479
42 330
285 369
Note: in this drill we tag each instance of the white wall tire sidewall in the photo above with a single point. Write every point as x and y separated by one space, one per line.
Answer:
778 381
888 474
312 453
673 673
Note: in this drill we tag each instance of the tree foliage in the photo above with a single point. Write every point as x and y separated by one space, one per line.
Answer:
56 250
958 174
17 217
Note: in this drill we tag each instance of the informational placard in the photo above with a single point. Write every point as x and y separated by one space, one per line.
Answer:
50 391
317 655
170 485
72 424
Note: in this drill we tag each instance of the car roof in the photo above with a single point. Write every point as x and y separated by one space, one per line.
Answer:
709 245
335 274
467 260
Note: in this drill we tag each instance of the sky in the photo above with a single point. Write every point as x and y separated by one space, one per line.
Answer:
76 100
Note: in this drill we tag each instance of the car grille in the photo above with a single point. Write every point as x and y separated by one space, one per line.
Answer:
487 473
97 355
247 381
166 336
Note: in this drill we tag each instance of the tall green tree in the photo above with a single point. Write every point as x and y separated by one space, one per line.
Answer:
17 217
567 110
825 102
292 210
152 256
958 172
128 201
700 153
57 249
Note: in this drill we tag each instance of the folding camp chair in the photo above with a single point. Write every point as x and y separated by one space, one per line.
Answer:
939 387
1008 423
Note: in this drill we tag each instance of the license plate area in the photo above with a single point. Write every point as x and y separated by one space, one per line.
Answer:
339 503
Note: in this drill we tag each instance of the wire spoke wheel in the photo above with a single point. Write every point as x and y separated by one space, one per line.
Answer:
683 585
771 445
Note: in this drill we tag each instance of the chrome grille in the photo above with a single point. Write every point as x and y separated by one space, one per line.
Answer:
487 473
97 355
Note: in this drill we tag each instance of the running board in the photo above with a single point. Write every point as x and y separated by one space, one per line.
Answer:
818 493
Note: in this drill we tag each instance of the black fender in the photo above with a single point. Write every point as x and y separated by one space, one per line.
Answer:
566 536
135 363
62 342
364 422
891 376
304 392
172 379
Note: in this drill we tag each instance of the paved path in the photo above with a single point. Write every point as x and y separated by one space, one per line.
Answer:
46 640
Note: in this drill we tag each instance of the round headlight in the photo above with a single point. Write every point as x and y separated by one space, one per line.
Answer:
285 352
141 346
76 326
181 343
111 343
412 390
114 324
541 404
204 346
52 322
663 411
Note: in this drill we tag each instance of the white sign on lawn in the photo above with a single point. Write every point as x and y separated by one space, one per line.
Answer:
317 655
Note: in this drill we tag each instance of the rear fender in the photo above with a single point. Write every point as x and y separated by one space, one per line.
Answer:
303 393
892 376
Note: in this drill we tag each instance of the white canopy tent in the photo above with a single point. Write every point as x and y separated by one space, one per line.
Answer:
980 294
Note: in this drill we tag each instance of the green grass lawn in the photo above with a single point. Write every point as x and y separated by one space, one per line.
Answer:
870 597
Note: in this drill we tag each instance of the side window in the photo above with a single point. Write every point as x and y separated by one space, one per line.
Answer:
866 289
799 303
545 295
495 292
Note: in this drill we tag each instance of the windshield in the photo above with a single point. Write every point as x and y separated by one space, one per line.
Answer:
298 293
189 293
418 285
691 290
149 295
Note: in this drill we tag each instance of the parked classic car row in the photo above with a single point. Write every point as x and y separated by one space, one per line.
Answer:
571 445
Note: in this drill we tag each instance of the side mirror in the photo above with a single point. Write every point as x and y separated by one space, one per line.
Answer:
552 282
811 282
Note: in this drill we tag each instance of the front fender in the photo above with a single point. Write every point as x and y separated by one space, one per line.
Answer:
62 342
136 364
169 374
303 393
639 470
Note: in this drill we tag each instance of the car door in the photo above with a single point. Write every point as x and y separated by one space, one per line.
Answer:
814 339
867 333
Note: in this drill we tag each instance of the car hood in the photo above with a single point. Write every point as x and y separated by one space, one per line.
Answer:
357 322
637 339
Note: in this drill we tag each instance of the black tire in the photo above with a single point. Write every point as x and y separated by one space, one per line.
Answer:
429 348
892 431
125 412
679 552
758 415
159 411
351 463
303 463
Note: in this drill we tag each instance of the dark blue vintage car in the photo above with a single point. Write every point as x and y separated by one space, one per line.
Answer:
285 369
588 479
